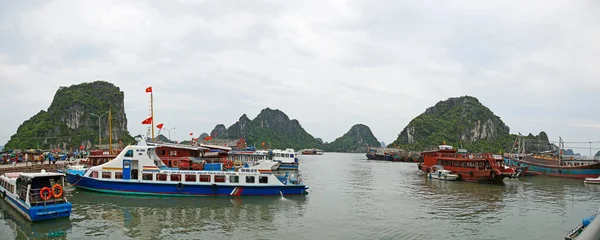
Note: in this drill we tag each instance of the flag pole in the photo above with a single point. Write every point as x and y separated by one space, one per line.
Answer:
109 131
152 112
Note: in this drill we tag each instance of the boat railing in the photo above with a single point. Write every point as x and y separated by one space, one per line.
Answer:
35 198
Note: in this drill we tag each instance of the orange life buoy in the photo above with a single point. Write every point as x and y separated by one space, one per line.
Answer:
228 165
47 196
175 163
60 190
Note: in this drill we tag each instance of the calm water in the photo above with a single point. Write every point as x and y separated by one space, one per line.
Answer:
350 198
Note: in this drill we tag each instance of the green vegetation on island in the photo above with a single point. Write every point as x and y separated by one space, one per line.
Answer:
69 123
357 139
461 121
271 127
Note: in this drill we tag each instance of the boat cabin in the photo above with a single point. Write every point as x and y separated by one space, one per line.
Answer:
29 187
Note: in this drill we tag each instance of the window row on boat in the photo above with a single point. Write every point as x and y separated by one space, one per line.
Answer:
179 177
9 187
465 164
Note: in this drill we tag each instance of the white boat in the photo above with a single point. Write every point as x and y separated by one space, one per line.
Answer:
37 196
138 170
592 180
442 174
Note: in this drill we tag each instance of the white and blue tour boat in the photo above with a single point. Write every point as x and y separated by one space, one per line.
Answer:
37 196
138 170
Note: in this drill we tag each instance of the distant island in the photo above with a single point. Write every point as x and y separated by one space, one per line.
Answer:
71 120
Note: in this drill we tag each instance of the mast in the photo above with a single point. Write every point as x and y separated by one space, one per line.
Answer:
109 131
560 148
152 113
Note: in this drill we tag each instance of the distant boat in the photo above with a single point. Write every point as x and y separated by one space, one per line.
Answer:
313 151
37 196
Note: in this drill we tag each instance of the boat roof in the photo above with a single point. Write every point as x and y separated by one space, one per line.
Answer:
34 175
180 146
209 146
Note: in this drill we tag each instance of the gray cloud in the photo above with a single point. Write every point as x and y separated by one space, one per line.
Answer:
329 64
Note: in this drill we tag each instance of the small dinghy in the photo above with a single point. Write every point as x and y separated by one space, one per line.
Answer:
592 180
443 174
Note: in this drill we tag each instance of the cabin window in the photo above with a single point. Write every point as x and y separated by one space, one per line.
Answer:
129 153
162 152
172 153
250 179
263 179
94 174
291 155
190 178
147 176
234 179
106 175
219 178
176 177
118 175
204 178
161 177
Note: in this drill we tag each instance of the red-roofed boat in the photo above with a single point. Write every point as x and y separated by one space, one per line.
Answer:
481 167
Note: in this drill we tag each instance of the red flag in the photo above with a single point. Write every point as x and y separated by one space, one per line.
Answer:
147 121
149 89
159 126
206 138
209 138
191 134
81 147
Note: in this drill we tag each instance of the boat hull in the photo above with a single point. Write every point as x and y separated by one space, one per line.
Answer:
443 177
580 172
288 166
478 176
39 213
186 189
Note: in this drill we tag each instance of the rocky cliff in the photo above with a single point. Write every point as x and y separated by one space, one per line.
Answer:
271 126
69 123
357 139
462 120
219 130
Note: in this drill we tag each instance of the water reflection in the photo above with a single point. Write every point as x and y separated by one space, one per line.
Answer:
168 217
24 229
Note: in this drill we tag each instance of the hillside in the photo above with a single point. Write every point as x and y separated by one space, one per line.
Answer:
163 138
462 120
271 126
69 123
357 139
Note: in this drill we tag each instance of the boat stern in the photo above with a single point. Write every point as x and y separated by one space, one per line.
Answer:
39 213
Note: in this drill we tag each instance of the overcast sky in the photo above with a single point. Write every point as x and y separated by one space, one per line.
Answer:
329 64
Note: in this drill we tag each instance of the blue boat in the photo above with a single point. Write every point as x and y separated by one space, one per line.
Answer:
138 170
37 196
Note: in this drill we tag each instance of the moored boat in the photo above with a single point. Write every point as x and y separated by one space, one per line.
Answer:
482 167
37 196
312 151
443 174
138 170
595 180
288 159
553 163
576 232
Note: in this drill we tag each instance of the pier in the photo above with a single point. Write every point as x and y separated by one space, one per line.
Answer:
29 167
